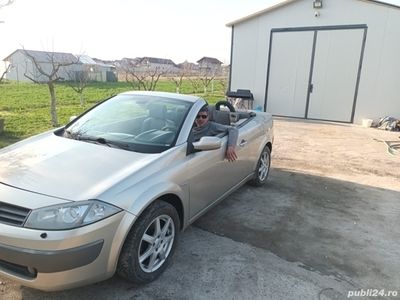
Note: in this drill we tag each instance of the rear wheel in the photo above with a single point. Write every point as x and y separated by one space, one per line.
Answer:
150 244
262 169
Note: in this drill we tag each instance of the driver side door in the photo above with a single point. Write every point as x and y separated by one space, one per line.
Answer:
211 175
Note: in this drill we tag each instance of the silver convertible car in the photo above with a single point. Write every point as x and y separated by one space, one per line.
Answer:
111 191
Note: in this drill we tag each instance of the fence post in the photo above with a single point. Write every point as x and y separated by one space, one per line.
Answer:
1 125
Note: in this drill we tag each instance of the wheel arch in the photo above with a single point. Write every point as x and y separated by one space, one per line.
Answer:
269 145
169 197
176 202
144 195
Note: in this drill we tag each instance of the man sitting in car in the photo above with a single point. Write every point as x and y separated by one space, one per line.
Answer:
205 127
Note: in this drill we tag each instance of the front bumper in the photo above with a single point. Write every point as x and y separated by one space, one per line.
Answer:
57 260
46 261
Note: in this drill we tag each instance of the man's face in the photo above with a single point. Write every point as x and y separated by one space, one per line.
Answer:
201 118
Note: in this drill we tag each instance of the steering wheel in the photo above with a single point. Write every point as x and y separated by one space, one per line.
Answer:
169 128
225 103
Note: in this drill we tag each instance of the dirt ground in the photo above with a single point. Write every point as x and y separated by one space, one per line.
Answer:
332 204
341 151
324 226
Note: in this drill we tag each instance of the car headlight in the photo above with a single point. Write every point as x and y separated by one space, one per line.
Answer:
71 215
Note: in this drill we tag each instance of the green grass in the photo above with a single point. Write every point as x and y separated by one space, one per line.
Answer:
25 107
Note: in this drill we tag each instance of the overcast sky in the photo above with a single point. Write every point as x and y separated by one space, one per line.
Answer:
176 29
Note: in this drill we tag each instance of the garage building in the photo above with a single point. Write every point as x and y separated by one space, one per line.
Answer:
335 60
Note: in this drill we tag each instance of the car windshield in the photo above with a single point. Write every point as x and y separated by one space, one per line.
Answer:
140 123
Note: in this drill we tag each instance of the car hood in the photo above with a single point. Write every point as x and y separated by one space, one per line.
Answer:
66 168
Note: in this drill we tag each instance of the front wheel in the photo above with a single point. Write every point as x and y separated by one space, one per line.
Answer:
150 244
262 169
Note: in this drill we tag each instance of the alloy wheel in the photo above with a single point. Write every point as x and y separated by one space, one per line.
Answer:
156 243
264 166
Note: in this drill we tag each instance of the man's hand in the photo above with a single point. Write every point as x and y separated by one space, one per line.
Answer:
231 154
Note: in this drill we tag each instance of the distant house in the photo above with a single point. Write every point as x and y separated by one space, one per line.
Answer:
105 62
127 62
209 65
166 66
188 68
148 64
97 70
22 63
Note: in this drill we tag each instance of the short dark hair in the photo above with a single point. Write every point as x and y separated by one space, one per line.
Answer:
204 108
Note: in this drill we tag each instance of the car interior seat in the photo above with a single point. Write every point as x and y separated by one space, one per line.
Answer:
180 115
157 117
219 116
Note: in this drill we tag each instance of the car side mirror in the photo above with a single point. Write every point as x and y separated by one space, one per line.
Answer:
207 143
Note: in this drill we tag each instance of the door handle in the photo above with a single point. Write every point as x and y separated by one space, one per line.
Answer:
243 143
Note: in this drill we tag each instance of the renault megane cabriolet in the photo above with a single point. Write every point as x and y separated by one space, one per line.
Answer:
111 191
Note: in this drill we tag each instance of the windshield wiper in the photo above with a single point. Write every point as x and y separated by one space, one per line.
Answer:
102 141
69 134
98 140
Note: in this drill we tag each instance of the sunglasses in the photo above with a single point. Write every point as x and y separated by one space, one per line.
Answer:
202 116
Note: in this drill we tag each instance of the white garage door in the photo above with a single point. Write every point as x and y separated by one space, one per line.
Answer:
290 67
314 73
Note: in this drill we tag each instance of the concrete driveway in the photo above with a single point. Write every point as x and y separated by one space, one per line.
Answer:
324 226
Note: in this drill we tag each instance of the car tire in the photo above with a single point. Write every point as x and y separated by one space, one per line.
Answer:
262 169
150 244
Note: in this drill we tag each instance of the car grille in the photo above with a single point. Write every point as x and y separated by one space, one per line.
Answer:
12 214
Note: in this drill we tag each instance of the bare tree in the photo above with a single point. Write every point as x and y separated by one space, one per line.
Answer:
142 74
49 76
184 71
178 79
80 80
129 68
206 79
149 77
130 79
223 81
5 72
195 82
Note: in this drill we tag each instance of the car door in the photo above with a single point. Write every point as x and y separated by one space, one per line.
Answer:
212 175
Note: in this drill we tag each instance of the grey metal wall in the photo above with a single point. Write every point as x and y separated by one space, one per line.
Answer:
378 88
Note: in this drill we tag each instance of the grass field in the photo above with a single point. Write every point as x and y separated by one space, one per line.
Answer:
25 107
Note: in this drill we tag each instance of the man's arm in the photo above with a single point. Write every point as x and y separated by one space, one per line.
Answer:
233 134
